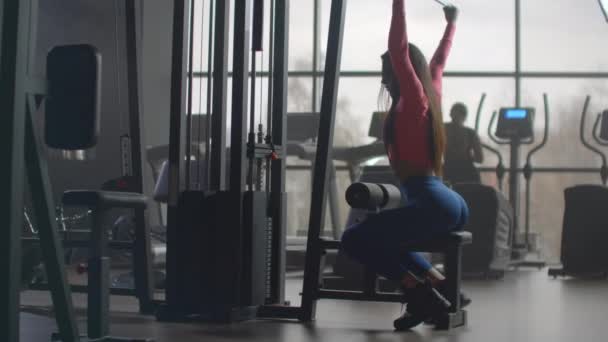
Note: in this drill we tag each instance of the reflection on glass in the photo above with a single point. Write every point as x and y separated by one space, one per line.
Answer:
604 6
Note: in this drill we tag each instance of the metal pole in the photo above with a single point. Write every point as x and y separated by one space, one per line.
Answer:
176 141
238 156
142 261
14 26
190 95
220 89
240 94
518 75
514 182
209 99
323 158
50 243
279 138
251 135
271 57
315 53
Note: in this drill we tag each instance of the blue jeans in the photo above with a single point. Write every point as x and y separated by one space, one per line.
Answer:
432 209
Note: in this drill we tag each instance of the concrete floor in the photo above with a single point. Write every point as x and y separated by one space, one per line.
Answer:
526 305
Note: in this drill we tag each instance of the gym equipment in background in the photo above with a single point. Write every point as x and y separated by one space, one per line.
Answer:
70 124
77 96
75 237
66 121
515 128
73 126
491 222
500 169
584 234
237 232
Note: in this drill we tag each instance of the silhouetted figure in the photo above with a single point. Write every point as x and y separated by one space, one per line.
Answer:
463 149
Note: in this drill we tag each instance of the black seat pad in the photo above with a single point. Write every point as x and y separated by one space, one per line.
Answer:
440 243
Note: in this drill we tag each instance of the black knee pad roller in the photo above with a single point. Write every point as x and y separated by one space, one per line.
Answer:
371 196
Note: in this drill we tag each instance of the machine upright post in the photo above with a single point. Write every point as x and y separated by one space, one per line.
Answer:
144 281
47 229
327 118
279 138
13 55
514 184
176 145
238 150
220 89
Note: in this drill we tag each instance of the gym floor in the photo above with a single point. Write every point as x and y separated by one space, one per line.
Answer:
526 305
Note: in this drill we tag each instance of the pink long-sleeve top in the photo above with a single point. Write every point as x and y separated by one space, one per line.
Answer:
411 121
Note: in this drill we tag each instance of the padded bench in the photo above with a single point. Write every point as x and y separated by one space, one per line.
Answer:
450 246
374 197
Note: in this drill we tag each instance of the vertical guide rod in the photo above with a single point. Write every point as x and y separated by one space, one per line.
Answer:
190 95
176 141
517 54
220 88
257 45
323 158
144 282
271 44
238 156
51 246
209 99
251 135
12 133
279 138
315 53
269 111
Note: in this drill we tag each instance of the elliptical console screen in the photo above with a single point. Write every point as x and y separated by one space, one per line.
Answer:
514 114
515 123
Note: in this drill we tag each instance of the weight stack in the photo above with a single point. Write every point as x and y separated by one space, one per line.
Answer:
223 259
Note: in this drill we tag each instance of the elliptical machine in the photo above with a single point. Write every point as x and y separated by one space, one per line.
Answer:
515 128
584 235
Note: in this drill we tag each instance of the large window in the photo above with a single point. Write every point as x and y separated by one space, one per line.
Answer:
563 35
560 36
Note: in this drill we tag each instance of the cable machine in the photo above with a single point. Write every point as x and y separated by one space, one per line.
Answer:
226 244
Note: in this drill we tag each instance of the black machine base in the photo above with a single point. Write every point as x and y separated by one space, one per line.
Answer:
451 320
333 282
234 315
523 258
56 337
562 272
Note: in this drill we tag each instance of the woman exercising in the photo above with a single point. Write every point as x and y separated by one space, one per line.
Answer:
415 142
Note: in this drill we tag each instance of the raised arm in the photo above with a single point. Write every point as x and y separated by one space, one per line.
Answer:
437 64
409 84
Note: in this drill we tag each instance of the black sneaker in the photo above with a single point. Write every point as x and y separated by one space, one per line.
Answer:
464 299
424 302
464 302
407 321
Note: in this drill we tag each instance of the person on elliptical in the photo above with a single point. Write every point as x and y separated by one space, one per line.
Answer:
463 149
415 142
